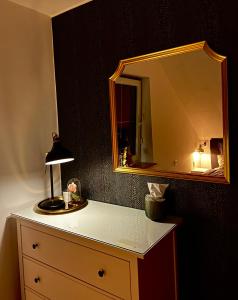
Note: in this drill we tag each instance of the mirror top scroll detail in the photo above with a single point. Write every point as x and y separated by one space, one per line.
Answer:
169 114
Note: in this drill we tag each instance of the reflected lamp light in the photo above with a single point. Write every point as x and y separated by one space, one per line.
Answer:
201 160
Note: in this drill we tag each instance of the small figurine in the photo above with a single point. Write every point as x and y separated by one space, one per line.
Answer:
74 186
125 157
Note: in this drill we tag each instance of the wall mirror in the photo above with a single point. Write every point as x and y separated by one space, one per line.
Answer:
169 114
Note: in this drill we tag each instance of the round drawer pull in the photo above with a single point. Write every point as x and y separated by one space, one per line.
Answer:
101 273
37 279
34 246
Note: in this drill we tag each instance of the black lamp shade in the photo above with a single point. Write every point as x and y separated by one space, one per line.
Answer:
58 154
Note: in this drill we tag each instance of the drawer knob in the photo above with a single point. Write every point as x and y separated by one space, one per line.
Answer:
37 279
101 273
34 246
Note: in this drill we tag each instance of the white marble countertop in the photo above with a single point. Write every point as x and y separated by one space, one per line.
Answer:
118 226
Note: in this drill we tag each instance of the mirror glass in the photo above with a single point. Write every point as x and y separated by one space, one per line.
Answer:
169 114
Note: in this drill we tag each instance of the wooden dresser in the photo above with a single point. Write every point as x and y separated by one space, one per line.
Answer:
101 252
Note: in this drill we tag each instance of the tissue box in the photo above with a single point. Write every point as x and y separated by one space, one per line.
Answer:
155 207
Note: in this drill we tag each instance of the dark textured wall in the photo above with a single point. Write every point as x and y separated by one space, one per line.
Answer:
89 41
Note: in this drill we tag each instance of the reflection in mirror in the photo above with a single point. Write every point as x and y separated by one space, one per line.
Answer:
169 114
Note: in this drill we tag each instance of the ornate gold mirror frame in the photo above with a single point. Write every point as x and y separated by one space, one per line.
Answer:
150 169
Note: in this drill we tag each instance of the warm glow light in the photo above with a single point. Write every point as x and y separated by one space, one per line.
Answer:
201 160
196 156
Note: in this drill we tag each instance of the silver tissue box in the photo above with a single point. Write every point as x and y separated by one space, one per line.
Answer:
155 207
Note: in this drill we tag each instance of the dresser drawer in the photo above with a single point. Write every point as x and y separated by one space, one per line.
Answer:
99 269
32 296
55 286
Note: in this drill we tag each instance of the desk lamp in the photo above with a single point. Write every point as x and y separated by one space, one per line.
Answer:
57 155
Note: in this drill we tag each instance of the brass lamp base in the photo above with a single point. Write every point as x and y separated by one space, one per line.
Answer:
51 204
57 206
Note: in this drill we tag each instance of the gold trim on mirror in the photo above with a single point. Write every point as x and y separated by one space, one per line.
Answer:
148 166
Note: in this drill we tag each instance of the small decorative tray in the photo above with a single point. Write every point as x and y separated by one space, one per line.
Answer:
59 208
